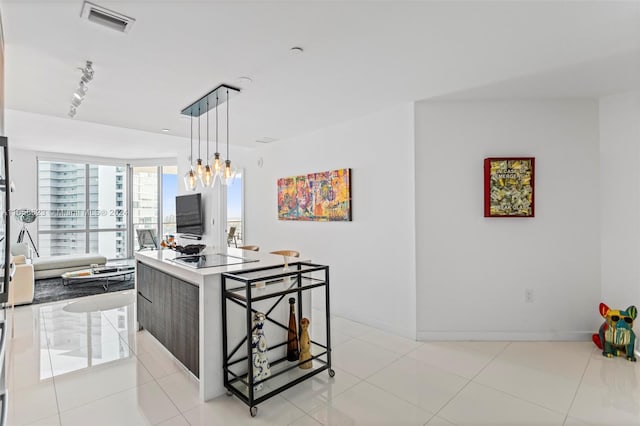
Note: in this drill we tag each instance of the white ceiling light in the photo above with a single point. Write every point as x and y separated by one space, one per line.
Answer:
105 17
296 50
244 81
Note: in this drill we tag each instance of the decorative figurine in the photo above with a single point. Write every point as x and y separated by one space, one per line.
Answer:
259 352
255 362
616 336
305 345
293 354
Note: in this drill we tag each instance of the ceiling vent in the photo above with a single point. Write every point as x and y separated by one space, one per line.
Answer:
105 17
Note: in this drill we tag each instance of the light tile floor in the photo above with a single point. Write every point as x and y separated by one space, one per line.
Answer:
83 363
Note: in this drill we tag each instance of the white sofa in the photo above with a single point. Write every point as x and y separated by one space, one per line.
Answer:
21 287
54 266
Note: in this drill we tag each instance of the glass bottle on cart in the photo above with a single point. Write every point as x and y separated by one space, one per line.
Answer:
293 353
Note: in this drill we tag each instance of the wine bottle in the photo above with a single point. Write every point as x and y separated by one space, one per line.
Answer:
292 334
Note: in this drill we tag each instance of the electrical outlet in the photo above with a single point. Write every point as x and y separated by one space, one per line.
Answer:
528 295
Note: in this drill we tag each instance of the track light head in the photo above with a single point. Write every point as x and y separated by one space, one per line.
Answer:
81 91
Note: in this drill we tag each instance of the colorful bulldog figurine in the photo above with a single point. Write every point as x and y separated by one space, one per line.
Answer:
616 336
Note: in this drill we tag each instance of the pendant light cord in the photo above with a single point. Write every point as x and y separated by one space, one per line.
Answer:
207 130
199 135
191 128
217 152
227 124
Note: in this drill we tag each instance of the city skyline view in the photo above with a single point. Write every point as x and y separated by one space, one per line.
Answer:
82 208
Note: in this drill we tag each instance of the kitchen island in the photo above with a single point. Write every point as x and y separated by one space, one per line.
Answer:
180 306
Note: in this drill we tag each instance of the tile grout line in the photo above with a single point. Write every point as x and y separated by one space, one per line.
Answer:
560 412
154 379
308 413
435 367
470 381
53 376
575 394
97 399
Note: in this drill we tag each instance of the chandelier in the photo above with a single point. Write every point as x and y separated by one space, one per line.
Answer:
211 170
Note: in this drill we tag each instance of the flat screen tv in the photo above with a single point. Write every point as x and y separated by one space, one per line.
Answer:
189 214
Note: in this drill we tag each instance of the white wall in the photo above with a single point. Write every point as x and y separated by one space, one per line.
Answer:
372 258
620 183
472 271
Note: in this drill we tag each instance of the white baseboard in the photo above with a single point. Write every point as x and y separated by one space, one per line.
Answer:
504 336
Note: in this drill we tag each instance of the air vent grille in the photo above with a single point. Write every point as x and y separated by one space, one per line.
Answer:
105 17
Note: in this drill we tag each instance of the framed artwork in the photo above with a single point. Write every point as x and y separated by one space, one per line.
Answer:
323 196
509 187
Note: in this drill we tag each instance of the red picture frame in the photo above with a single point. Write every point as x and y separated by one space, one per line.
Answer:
509 187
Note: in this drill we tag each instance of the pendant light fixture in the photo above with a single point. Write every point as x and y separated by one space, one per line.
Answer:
191 178
207 172
208 176
229 174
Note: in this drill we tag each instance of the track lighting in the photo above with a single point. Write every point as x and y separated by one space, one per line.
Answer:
81 91
87 72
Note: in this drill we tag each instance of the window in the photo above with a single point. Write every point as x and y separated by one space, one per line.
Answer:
169 192
235 215
78 208
153 200
144 200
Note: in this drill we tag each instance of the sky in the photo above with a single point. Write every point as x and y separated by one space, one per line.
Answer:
234 199
169 192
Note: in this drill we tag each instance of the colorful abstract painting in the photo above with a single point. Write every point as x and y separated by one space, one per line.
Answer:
324 196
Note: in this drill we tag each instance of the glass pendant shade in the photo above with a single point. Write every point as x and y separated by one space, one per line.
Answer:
229 174
199 168
191 180
217 163
208 176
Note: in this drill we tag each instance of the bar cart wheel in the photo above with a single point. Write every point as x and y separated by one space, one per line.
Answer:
253 411
229 393
331 373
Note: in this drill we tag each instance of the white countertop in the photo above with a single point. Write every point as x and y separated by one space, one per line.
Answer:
164 259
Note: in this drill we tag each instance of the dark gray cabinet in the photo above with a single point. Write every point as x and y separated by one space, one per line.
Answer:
184 315
169 309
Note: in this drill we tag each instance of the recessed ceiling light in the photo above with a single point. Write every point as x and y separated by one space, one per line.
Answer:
165 130
244 80
296 50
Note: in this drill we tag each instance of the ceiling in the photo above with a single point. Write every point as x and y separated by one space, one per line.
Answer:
358 57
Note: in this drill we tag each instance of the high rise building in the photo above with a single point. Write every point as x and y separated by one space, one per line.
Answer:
78 216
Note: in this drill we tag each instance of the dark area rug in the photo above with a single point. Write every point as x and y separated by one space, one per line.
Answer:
52 290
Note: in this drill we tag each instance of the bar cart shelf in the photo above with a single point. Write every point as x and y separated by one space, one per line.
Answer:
263 290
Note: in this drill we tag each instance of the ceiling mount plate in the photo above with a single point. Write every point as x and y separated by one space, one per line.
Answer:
208 101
